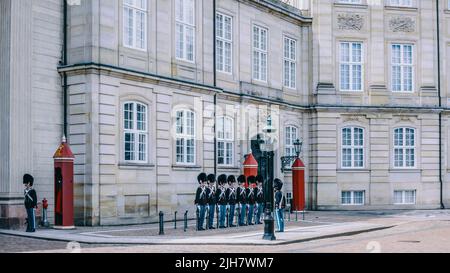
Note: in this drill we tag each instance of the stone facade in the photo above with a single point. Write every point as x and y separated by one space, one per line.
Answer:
103 74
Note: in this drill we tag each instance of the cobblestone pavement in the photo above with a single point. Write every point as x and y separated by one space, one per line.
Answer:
412 231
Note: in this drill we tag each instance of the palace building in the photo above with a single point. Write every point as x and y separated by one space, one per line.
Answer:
151 92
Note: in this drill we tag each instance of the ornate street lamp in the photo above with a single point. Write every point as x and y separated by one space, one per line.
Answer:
266 147
287 160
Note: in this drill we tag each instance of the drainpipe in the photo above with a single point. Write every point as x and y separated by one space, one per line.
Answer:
440 100
215 85
64 63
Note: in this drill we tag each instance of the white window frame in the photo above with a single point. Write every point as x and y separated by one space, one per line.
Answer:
225 140
351 65
136 10
289 140
352 198
404 148
185 25
135 132
290 80
401 3
403 197
402 66
225 41
353 147
261 52
185 136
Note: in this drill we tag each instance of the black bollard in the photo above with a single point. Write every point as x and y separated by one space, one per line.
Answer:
217 216
161 223
296 216
197 212
303 215
175 220
289 215
185 221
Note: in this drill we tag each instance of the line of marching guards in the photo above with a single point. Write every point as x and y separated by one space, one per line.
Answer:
229 202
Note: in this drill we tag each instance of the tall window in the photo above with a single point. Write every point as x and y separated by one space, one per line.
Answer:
185 137
351 66
225 141
291 135
401 3
135 132
352 198
135 23
185 29
404 147
352 147
290 62
259 53
405 197
402 67
224 42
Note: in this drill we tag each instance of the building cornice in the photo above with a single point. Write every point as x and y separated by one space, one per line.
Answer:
282 9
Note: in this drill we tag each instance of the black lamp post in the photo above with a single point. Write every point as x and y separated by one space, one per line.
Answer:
286 160
268 154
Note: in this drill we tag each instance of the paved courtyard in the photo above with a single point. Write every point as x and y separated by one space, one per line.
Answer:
396 231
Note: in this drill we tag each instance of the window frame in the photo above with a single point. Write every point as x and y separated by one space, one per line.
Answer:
185 25
353 147
291 85
135 9
402 65
226 141
352 198
185 137
404 148
403 197
260 52
350 63
291 146
410 5
135 132
224 41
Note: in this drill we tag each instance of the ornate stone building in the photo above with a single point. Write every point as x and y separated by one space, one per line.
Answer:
146 107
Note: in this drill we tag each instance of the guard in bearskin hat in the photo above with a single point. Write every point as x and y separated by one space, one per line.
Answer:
231 196
211 199
242 200
201 199
222 199
251 199
280 204
259 193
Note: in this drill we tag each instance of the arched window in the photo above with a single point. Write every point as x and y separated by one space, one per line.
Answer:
404 147
185 137
225 141
135 132
291 135
352 147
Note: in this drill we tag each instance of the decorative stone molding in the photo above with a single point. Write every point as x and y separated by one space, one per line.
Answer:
350 21
353 118
402 24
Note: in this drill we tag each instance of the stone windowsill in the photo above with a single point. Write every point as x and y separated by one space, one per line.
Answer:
350 5
186 167
404 170
135 166
401 8
353 170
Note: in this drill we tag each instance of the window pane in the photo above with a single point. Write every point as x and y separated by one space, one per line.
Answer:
129 146
128 115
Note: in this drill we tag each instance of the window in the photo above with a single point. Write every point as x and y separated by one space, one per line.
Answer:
402 67
352 198
185 137
401 3
291 134
351 66
405 197
135 132
404 148
225 141
135 24
352 147
185 29
259 53
224 42
290 62
350 1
